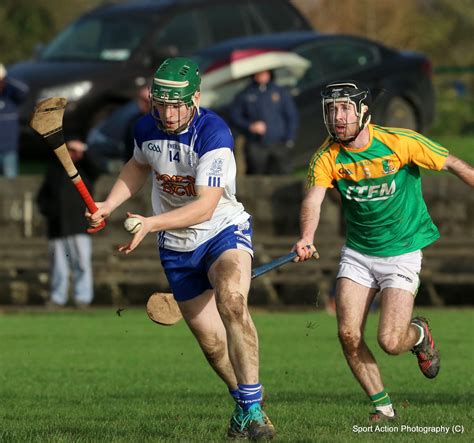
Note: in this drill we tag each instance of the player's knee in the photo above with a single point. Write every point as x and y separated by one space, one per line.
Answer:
231 305
214 349
390 344
350 340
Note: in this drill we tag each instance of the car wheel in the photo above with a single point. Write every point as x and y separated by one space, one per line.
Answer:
399 113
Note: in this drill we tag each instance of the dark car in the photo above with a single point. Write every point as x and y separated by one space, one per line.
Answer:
399 80
99 60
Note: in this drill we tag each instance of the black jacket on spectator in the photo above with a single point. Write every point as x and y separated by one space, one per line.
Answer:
60 202
11 97
272 104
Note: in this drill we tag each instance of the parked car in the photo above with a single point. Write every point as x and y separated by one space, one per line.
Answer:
304 62
99 60
399 80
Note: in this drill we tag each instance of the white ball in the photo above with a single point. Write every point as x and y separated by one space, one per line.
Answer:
132 225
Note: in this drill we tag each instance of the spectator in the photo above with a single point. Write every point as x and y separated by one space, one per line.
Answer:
111 141
69 245
143 106
267 115
12 94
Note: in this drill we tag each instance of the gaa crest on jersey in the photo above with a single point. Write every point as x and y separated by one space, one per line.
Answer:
216 167
215 173
345 171
153 146
388 167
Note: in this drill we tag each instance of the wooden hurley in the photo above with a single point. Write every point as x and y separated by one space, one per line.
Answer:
47 120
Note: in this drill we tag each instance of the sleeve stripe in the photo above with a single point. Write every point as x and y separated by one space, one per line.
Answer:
311 177
214 182
433 146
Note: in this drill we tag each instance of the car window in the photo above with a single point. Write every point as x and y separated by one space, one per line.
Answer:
181 34
98 39
222 95
225 22
278 16
334 59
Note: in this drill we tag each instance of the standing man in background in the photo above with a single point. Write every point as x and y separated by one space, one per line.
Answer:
376 171
267 115
111 141
143 104
70 247
203 233
12 94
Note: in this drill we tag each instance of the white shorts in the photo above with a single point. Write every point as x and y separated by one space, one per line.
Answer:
399 271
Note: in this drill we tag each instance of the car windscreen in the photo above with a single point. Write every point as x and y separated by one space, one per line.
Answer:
98 39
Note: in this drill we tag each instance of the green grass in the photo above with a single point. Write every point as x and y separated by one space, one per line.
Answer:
92 376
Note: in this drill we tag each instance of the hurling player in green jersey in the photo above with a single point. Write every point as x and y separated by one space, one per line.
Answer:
376 171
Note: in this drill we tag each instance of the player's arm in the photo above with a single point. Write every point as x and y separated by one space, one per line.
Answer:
131 179
199 210
309 219
460 168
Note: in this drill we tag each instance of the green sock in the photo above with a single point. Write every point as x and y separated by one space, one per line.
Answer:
381 399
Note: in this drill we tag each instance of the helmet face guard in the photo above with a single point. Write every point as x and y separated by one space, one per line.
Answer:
175 84
350 93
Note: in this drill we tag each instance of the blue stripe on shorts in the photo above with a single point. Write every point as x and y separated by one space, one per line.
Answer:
187 271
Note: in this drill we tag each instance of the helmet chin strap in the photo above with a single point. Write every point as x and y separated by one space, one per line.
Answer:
194 108
361 127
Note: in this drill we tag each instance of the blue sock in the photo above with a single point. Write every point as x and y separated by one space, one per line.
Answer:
235 394
249 395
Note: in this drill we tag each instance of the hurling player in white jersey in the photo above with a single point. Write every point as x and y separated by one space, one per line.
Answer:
204 234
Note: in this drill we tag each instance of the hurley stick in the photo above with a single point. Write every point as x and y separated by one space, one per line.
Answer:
163 309
47 120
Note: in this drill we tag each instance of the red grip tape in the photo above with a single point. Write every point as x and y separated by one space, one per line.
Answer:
89 201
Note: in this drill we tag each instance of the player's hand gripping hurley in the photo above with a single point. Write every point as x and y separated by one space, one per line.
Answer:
163 309
47 120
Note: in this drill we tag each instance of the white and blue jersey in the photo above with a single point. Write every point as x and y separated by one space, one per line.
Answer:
201 155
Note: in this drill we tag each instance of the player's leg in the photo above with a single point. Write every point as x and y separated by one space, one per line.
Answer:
352 305
230 277
398 331
59 271
395 333
204 321
81 266
355 290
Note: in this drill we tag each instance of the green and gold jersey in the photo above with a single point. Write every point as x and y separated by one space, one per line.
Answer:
380 186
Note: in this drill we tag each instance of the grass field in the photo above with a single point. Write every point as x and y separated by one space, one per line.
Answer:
94 376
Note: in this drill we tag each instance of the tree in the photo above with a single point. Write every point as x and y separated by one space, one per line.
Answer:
442 29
